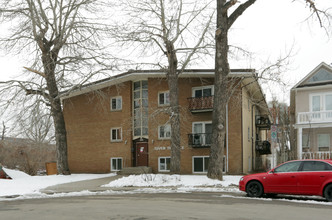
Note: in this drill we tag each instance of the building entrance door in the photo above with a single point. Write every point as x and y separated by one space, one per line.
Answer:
142 154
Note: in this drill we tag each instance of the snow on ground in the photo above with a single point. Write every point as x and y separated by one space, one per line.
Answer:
24 184
163 180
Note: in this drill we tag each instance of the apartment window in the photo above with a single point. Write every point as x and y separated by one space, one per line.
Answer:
164 131
116 163
202 133
203 91
323 142
163 98
116 103
305 141
249 139
164 164
140 103
200 164
116 134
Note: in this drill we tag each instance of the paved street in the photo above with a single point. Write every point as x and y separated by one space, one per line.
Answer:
162 206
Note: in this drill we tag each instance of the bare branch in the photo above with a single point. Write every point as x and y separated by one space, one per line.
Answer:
35 71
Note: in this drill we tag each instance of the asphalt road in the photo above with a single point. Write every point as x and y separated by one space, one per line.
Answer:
163 206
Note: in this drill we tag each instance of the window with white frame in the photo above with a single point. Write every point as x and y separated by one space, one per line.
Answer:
164 131
163 98
323 142
164 164
116 134
202 133
305 141
202 91
116 163
200 164
320 102
116 103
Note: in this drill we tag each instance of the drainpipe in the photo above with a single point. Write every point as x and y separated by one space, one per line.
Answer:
253 120
226 169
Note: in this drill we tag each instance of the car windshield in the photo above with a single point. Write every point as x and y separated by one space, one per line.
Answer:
288 167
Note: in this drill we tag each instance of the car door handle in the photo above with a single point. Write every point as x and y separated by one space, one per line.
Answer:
322 176
293 176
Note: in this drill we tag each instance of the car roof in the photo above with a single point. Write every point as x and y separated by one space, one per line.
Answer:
323 160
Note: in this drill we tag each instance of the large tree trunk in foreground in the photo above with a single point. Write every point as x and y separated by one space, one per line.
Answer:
49 58
173 77
221 93
220 101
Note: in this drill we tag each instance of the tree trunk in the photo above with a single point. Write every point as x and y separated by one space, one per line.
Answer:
49 59
172 76
222 70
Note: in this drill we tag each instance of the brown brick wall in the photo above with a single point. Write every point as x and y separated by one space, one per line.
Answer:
234 134
88 122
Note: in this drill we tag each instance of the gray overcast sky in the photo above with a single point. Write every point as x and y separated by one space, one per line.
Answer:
267 29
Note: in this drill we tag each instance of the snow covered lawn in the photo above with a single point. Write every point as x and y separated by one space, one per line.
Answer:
24 184
163 180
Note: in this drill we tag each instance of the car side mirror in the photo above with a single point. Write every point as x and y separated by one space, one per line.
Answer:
271 171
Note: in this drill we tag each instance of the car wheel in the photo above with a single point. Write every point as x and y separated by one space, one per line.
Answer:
328 193
254 189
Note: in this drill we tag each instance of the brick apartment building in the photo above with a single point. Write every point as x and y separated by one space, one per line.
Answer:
122 122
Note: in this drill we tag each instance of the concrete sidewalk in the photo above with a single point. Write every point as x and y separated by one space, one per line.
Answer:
90 185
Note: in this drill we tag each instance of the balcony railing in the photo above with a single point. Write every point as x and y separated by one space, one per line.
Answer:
263 147
263 122
199 140
200 104
314 117
317 155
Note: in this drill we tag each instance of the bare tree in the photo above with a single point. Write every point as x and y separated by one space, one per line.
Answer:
175 33
62 42
37 126
227 14
3 130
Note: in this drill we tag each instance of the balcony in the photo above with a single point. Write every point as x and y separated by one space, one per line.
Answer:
317 155
263 122
199 140
200 104
263 147
314 117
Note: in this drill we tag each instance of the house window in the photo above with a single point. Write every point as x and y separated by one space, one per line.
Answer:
323 142
164 164
315 106
321 102
163 98
164 131
202 133
116 163
116 134
116 103
305 141
200 164
203 91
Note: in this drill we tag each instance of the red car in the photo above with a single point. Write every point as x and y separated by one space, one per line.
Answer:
297 177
